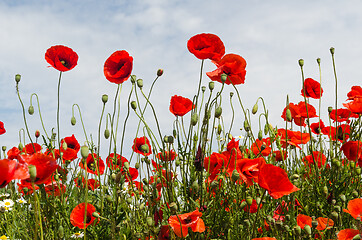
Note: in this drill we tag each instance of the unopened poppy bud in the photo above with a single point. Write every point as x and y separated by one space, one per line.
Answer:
61 232
140 83
126 165
255 108
106 133
170 139
219 129
203 88
318 60
331 50
235 175
174 133
109 199
84 151
330 109
249 200
230 136
307 229
211 86
266 129
352 164
288 115
173 206
31 110
195 186
355 194
95 214
297 230
243 204
325 190
177 162
73 121
20 147
133 78
3 148
334 216
159 72
37 133
224 77
218 112
301 62
246 126
358 170
149 221
17 78
337 208
113 176
105 98
194 119
137 165
260 135
134 105
64 145
342 197
32 172
357 237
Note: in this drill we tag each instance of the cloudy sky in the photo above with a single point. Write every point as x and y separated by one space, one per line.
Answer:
271 35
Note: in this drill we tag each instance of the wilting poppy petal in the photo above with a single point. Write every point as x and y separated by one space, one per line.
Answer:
61 58
206 46
118 67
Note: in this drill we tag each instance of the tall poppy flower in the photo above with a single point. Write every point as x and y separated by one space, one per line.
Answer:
206 46
352 150
61 58
303 220
142 146
77 215
317 127
341 115
118 67
354 208
92 183
356 92
115 161
275 180
292 137
355 106
248 169
167 155
341 132
299 112
233 66
317 157
32 148
2 129
95 164
179 106
324 223
73 147
181 223
312 88
10 170
347 234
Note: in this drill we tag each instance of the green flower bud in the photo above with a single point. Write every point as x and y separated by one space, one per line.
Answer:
109 199
330 109
73 121
137 165
231 94
134 105
358 170
32 172
211 86
64 145
203 88
297 230
126 165
178 162
352 164
219 129
249 200
318 60
288 115
325 190
331 50
159 72
149 221
31 110
106 133
17 78
224 77
218 112
301 62
173 206
195 186
20 147
266 129
95 214
3 148
84 151
140 83
243 204
334 216
246 126
113 176
260 135
342 197
355 194
255 108
61 231
308 229
133 79
194 119
235 175
105 98
314 223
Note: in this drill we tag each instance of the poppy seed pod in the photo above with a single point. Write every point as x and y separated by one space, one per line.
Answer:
170 139
133 78
301 62
31 110
255 108
140 83
218 112
137 165
134 105
73 121
211 86
84 151
159 72
330 109
194 119
3 148
17 78
203 88
32 172
105 98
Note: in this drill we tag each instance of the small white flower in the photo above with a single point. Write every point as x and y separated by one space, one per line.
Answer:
6 207
4 195
77 235
8 202
21 201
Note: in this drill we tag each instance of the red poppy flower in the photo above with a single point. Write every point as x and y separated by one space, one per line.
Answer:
131 174
303 220
342 132
45 166
275 180
13 153
70 153
54 189
179 106
248 169
324 223
312 88
77 215
253 208
167 156
233 66
206 46
356 92
213 164
347 234
142 146
31 148
10 170
92 183
354 208
115 161
118 67
342 115
317 127
181 223
261 147
352 150
28 186
2 129
317 157
279 156
61 58
292 137
355 106
164 233
95 164
299 112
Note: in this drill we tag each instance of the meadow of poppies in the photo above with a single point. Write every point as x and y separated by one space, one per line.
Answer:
302 181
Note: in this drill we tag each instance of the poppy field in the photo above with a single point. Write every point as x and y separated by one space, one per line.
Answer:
299 181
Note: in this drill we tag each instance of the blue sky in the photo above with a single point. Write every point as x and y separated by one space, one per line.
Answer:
270 35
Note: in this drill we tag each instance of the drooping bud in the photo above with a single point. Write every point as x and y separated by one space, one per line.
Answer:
140 83
134 105
219 129
331 50
246 125
84 151
211 86
342 197
31 110
218 112
235 175
20 147
73 121
194 119
17 78
64 145
301 62
255 108
260 135
334 216
106 133
32 172
105 98
159 72
243 204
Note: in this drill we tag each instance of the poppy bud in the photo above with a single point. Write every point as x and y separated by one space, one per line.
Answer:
358 170
3 148
95 214
194 119
318 60
149 221
64 145
106 133
288 115
337 208
20 147
133 78
342 197
301 62
224 77
331 50
137 165
325 190
211 86
84 151
297 230
255 108
134 105
31 110
246 126
126 165
260 135
334 216
235 176
113 176
218 112
230 136
307 229
249 200
173 206
266 129
73 121
219 129
243 204
105 98
140 83
174 133
37 133
32 172
109 199
203 88
355 194
61 231
330 109
17 78
159 72
195 186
